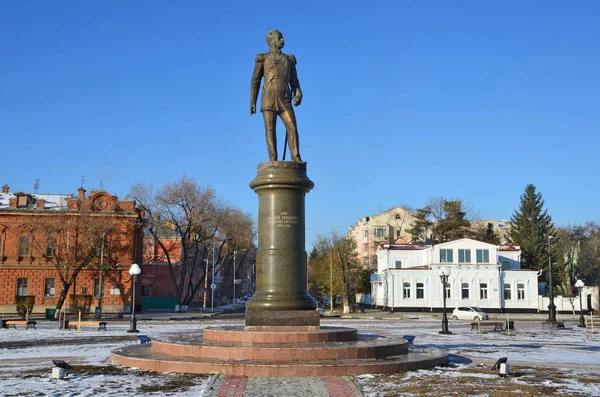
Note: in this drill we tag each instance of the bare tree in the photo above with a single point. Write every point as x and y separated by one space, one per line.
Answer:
451 218
338 254
238 226
70 240
201 221
402 220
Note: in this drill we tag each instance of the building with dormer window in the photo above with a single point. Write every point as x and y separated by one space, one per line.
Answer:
29 250
481 274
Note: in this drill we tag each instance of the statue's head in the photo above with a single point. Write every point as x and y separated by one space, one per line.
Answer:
275 39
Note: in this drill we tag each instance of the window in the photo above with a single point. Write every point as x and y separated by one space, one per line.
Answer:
366 233
397 233
464 290
520 291
483 256
406 290
420 291
379 231
446 256
365 247
49 284
464 256
23 246
21 286
398 264
507 292
96 288
83 290
51 249
147 290
447 290
483 291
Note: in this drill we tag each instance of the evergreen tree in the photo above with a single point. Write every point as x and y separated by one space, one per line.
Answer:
454 224
531 227
487 234
418 231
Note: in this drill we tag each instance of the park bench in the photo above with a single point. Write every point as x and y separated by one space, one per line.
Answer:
498 325
554 324
75 325
14 323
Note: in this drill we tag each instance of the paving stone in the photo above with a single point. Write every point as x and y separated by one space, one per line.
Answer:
240 386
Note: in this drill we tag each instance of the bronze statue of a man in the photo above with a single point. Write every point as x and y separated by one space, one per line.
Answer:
281 85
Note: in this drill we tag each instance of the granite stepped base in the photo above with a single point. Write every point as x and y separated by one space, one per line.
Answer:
277 351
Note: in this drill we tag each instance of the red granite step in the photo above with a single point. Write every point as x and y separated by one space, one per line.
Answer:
280 334
142 356
194 346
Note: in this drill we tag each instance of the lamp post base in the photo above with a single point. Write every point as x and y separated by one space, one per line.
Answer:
551 312
133 326
445 332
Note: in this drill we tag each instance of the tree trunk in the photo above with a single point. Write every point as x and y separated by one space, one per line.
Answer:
63 296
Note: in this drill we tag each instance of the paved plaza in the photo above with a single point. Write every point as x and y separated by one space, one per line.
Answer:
543 361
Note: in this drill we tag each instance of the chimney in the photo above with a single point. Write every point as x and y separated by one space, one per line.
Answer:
81 193
5 189
40 204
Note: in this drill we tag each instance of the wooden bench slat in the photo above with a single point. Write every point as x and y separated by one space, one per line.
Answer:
14 323
498 325
100 324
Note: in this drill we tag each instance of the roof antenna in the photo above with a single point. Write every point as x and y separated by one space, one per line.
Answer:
36 185
82 179
101 185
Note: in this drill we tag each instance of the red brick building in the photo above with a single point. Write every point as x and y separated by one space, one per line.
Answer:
42 235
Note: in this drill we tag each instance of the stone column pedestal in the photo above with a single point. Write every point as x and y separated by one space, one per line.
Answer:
281 297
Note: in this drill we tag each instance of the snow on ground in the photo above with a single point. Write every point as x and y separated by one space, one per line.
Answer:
555 359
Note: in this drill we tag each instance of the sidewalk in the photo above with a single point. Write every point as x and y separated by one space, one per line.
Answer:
157 315
326 386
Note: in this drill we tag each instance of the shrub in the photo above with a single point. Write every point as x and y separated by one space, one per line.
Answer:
24 304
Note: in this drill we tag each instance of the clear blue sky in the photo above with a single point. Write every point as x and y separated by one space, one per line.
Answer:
403 100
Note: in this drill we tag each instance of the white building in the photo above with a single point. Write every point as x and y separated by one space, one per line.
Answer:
481 274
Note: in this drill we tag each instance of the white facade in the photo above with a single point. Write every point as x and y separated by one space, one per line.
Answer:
481 274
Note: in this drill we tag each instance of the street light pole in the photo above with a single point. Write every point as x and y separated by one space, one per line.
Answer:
101 286
212 282
234 252
445 272
579 285
205 282
213 285
551 306
331 283
133 271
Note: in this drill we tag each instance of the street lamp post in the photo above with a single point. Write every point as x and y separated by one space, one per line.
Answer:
551 306
234 252
101 283
213 286
212 282
134 271
205 282
444 273
579 285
